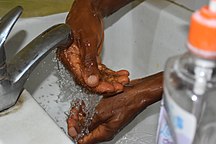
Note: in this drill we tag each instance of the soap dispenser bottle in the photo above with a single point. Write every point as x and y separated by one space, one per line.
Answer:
189 80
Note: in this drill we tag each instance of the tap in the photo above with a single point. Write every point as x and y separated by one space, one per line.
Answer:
13 74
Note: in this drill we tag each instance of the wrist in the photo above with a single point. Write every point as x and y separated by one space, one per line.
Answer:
97 6
108 7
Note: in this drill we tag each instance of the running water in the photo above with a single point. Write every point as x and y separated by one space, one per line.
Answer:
57 92
70 91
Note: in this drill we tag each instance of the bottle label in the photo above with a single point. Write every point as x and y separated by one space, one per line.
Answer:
163 133
183 123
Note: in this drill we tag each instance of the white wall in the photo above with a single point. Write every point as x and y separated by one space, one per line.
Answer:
192 4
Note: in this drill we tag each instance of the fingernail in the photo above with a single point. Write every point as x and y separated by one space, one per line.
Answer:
92 81
72 132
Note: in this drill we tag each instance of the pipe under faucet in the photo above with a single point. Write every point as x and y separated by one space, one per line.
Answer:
14 74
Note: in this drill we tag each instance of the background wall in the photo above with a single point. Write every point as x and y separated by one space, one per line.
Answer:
192 4
36 7
47 7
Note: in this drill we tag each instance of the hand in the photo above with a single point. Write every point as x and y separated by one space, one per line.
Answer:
82 57
113 113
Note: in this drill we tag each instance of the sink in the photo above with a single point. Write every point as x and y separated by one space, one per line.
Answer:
28 123
145 32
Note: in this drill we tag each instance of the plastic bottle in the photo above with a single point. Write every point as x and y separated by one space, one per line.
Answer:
189 102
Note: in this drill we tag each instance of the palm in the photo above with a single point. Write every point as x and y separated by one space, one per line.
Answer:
82 57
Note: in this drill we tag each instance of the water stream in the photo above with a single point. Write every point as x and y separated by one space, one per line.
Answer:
76 95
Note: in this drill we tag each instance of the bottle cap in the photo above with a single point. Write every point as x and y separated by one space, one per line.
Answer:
202 33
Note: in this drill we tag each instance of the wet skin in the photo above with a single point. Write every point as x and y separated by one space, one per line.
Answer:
82 58
113 113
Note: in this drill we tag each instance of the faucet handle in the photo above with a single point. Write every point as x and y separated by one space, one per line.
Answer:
6 24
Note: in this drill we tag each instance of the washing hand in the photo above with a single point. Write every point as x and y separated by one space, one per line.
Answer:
113 113
82 58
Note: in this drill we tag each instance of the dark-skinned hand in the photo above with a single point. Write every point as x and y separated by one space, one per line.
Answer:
82 58
113 113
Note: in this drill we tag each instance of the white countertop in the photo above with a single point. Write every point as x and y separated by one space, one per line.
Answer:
28 123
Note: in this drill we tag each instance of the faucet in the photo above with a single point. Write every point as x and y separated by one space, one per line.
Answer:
14 73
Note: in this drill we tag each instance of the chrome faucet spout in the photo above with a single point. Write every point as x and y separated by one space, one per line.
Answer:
27 59
6 24
24 62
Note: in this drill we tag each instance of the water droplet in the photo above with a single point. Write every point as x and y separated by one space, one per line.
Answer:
70 91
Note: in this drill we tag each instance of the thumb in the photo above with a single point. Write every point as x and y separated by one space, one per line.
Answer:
90 68
100 134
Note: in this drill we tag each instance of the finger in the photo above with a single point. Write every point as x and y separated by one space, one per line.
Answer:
104 87
97 135
90 67
70 58
108 71
75 120
123 72
74 113
118 87
72 132
73 127
98 119
123 79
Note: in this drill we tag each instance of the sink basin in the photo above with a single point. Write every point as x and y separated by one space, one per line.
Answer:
28 123
139 37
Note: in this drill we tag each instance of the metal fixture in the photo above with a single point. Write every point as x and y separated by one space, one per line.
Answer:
14 74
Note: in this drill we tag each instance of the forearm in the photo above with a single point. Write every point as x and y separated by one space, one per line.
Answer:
145 91
108 7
